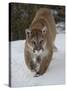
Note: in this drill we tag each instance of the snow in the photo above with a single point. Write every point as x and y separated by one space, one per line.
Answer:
21 75
60 27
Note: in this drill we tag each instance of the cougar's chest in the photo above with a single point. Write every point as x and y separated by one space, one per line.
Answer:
39 55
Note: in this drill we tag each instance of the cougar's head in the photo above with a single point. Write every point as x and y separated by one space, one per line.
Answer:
36 39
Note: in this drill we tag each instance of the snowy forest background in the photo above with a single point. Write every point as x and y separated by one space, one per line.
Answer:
21 16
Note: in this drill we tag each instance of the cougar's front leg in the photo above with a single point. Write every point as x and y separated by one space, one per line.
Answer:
44 65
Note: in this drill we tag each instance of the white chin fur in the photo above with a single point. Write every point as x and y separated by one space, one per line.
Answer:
38 53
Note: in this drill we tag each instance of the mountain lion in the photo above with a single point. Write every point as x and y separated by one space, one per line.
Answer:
40 37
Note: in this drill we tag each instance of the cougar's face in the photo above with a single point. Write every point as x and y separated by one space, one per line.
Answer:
37 41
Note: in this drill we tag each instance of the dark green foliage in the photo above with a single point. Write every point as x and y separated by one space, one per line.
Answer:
21 16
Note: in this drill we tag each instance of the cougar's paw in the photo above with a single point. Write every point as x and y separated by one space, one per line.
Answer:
37 74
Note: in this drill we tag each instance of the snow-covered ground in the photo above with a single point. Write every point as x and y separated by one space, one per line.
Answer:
21 76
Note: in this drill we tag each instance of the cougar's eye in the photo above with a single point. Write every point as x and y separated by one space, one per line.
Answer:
33 42
41 41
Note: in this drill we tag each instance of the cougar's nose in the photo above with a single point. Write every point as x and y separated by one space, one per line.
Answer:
38 48
38 59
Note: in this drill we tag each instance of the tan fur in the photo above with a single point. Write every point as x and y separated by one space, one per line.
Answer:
42 18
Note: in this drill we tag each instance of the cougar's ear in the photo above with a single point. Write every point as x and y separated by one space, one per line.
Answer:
28 33
44 30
